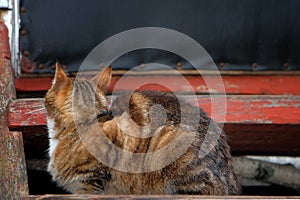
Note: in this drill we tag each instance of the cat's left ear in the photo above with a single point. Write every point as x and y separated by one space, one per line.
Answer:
60 75
102 80
60 79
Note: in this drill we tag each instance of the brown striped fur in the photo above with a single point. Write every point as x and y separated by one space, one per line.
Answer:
74 168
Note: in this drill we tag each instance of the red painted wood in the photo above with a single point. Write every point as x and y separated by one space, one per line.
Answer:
253 109
242 84
13 177
254 125
4 43
27 112
32 84
240 110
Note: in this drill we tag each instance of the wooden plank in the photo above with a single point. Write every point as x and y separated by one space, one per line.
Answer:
32 84
26 112
283 110
13 178
243 84
254 124
136 197
253 109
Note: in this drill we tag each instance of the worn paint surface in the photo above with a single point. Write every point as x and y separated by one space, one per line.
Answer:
13 178
239 109
254 124
254 109
27 112
242 84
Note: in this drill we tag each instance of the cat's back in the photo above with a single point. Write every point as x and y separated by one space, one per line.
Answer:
189 174
143 105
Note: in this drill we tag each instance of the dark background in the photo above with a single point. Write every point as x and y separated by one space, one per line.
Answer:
240 34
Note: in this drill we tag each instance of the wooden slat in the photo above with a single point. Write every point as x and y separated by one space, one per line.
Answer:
254 124
27 112
32 84
240 110
13 178
154 197
253 109
233 84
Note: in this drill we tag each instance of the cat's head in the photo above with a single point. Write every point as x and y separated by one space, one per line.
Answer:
68 96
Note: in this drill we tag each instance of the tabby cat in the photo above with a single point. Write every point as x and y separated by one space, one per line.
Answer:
77 169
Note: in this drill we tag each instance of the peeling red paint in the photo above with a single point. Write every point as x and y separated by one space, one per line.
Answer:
32 84
242 84
239 109
25 112
13 178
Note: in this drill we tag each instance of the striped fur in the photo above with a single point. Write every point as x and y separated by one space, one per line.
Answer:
74 168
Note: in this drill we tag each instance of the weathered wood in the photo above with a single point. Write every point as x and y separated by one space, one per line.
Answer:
26 112
239 109
285 175
254 124
157 197
243 84
13 178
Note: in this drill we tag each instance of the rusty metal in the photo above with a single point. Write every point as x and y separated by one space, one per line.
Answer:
179 65
23 32
28 66
23 10
26 53
254 65
41 66
222 64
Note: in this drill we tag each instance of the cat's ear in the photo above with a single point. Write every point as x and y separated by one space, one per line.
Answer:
60 75
102 80
60 78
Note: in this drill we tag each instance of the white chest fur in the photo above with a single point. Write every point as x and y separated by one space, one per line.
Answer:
52 142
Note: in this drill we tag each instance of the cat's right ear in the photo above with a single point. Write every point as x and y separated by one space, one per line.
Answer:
102 80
